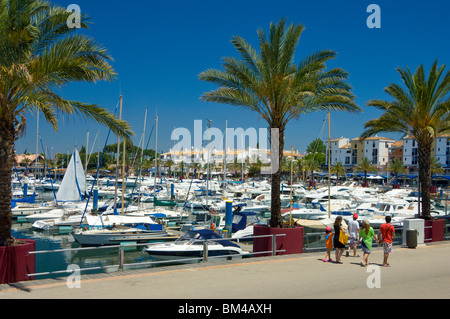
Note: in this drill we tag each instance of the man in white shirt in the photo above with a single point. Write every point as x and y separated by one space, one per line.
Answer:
353 230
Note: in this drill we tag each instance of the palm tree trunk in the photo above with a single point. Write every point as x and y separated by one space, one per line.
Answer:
7 138
425 177
275 219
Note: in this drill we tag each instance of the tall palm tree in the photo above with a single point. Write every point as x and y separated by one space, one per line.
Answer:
39 54
270 84
366 166
421 110
338 169
396 166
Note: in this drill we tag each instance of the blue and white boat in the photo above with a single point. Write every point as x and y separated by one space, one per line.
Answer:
190 248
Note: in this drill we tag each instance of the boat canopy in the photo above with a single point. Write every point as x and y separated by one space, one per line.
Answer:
206 234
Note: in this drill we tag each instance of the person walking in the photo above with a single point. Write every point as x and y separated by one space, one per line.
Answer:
337 244
328 244
386 236
366 234
353 230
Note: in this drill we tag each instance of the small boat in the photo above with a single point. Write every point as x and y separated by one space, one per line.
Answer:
165 203
116 235
115 229
189 248
24 209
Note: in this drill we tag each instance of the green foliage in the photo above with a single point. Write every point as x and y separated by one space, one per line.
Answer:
316 146
39 54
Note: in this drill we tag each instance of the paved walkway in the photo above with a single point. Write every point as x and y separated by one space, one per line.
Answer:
423 272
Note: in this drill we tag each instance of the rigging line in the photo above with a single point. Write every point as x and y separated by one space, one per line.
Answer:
142 161
323 127
92 149
333 128
98 169
195 171
45 162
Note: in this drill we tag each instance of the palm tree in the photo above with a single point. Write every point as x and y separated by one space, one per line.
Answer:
39 54
366 166
310 165
420 111
396 166
338 169
169 163
436 167
270 84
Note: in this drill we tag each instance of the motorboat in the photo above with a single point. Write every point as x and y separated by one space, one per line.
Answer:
190 248
54 213
66 221
115 229
25 209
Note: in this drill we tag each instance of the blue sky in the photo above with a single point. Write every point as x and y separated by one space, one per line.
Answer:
160 47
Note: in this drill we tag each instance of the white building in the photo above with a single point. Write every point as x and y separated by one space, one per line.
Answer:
374 148
340 151
377 149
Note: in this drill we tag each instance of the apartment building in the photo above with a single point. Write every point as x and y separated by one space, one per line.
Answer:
351 153
441 149
203 156
340 151
396 151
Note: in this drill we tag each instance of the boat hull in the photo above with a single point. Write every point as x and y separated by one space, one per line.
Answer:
100 238
191 253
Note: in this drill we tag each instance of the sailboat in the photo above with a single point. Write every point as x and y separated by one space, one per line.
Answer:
70 195
125 228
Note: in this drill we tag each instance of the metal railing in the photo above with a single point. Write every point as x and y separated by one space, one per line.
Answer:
121 255
316 244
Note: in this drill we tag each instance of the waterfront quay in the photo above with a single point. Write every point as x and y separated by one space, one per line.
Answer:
420 273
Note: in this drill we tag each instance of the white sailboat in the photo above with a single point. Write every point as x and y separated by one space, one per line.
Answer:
70 195
125 228
73 185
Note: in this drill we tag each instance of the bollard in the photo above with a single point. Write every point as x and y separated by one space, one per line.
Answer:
274 245
228 217
95 204
121 257
205 251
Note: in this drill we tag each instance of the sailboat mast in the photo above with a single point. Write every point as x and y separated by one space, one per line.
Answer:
329 166
225 157
117 158
37 154
290 205
123 173
156 148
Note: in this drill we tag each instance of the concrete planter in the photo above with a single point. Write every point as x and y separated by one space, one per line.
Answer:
15 263
292 242
436 232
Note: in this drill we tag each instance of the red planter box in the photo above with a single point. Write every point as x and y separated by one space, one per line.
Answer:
292 242
436 232
15 263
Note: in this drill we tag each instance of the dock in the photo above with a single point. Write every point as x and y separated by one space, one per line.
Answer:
414 273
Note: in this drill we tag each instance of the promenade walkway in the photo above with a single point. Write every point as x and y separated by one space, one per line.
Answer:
423 272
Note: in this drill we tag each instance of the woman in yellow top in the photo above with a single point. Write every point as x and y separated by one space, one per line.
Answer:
366 234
